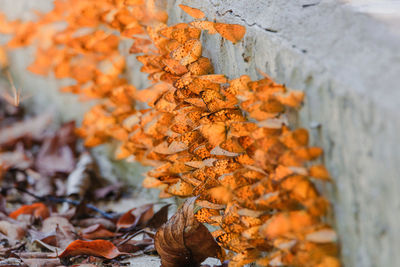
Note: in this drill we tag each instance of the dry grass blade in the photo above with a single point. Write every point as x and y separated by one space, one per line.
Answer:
15 98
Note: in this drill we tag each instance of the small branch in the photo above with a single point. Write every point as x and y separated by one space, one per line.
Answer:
129 237
65 200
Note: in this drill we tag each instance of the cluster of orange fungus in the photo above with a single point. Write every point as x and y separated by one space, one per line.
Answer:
226 141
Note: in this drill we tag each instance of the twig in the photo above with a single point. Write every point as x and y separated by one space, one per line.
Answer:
65 200
129 237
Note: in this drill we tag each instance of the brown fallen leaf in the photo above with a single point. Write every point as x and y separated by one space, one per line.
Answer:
43 183
56 153
13 231
42 262
44 245
91 221
96 231
159 218
135 217
98 248
136 245
11 262
65 231
35 255
3 206
32 127
48 238
183 241
113 190
15 159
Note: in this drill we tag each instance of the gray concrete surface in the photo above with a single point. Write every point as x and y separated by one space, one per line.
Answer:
346 57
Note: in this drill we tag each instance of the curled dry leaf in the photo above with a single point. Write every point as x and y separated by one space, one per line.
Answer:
98 248
159 218
79 180
183 241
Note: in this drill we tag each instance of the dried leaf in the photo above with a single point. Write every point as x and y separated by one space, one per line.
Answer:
96 231
159 218
38 210
91 221
56 153
16 159
183 241
135 217
13 231
42 262
98 248
33 128
79 180
65 231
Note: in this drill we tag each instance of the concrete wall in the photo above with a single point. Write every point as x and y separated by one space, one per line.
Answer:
346 57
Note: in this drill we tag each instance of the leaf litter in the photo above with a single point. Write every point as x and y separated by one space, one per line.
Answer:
49 223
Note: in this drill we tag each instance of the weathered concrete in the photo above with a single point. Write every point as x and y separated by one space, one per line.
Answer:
346 57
